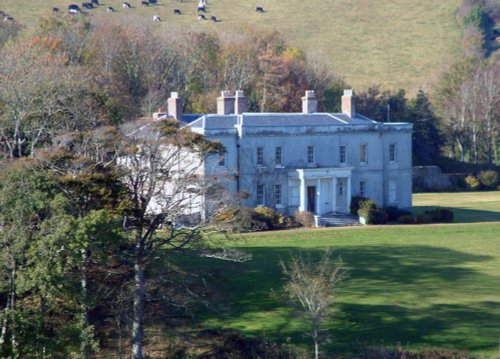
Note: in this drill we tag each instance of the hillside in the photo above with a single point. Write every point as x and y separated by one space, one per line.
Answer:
399 44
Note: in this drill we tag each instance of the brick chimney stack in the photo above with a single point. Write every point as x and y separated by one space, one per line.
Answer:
174 106
348 103
309 102
225 103
240 102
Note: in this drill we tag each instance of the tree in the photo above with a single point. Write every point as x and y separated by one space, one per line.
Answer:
160 167
24 204
312 286
468 101
426 139
45 96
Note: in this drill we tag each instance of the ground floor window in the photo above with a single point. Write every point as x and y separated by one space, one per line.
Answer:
362 189
393 194
278 195
260 195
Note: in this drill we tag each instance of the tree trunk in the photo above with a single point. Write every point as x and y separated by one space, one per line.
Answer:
139 298
13 307
315 335
5 321
85 335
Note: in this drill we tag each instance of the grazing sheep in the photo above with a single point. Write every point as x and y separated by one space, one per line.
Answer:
95 2
145 3
259 9
201 9
213 19
177 12
126 5
201 17
55 9
110 9
156 18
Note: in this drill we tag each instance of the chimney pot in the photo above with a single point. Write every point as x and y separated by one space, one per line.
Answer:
309 102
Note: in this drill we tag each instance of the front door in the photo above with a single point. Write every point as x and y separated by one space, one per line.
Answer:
311 199
341 195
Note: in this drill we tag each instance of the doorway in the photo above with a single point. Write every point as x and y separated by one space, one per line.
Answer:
311 199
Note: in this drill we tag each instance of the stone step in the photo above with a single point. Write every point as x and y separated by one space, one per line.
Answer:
338 220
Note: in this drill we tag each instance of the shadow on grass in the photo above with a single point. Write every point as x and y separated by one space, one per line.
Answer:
394 294
464 215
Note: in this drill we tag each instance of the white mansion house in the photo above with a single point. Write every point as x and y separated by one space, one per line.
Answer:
307 161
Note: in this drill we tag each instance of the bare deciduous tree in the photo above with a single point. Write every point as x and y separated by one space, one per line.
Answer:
312 286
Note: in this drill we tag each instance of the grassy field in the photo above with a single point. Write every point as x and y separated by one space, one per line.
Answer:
468 207
399 44
419 286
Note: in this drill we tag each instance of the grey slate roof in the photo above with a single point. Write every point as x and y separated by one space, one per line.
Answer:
278 120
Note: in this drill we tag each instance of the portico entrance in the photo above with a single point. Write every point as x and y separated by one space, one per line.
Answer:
323 190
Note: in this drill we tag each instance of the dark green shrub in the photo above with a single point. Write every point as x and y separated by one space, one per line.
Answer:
393 213
379 216
367 214
266 215
373 216
423 219
488 179
355 201
368 203
440 215
406 219
472 183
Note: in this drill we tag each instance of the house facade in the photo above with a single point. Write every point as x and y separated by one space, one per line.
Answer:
307 161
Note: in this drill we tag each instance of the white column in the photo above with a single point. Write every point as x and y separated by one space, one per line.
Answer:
303 194
318 196
348 194
334 194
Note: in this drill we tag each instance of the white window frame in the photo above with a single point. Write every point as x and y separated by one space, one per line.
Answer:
278 194
393 191
311 155
260 194
393 156
363 153
260 156
343 154
278 156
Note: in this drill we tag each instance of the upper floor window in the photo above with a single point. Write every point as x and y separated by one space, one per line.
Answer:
260 194
310 154
343 154
260 156
278 156
362 153
278 194
222 159
392 153
362 189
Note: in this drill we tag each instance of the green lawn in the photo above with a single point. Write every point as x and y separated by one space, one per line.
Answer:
468 206
398 44
421 286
